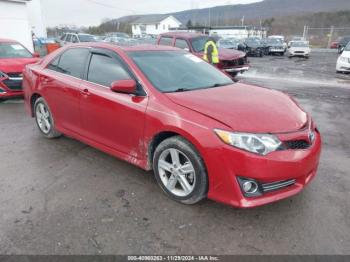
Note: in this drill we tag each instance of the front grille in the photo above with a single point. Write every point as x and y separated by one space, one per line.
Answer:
11 75
297 144
13 84
268 187
237 62
299 52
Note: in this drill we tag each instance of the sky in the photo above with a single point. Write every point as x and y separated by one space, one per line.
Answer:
93 12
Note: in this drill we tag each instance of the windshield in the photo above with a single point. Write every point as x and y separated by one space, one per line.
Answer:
347 48
252 41
87 38
171 71
299 44
14 50
199 43
274 41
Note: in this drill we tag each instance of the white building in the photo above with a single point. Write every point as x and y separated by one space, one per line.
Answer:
239 32
18 19
154 25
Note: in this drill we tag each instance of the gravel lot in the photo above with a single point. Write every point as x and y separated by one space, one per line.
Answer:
63 197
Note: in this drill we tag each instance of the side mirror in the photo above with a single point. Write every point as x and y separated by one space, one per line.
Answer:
187 49
124 86
36 55
341 50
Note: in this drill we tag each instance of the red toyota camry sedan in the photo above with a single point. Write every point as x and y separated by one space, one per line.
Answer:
165 109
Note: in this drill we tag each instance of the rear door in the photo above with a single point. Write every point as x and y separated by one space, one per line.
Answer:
60 84
113 119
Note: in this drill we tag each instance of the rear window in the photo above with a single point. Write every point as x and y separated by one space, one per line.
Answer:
166 41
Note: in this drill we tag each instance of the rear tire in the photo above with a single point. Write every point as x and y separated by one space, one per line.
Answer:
180 170
44 119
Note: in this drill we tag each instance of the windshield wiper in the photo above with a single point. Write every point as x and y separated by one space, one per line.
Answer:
218 84
180 90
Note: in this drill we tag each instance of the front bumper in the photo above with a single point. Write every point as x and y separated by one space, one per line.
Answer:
227 163
11 87
236 69
343 66
302 54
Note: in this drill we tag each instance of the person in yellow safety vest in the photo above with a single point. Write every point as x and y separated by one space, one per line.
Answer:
211 53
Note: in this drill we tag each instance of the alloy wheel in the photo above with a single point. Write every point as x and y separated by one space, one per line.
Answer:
176 172
43 118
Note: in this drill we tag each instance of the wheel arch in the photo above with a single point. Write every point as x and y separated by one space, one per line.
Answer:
165 134
33 98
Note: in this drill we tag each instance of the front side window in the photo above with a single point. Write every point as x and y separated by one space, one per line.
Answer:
166 41
180 43
14 50
72 62
175 71
104 70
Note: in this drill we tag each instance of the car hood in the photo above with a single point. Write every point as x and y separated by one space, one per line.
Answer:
227 54
15 65
346 54
305 49
245 108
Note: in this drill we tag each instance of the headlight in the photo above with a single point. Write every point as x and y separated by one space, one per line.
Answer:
345 59
261 144
2 75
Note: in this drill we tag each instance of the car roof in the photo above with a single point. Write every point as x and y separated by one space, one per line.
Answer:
111 46
4 40
184 35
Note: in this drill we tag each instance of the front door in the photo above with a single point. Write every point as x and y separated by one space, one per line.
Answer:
113 119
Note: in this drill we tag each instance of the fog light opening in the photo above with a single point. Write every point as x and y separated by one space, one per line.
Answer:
250 187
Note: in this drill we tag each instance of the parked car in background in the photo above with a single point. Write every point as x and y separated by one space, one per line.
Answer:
343 43
335 44
13 57
118 34
231 43
343 62
280 37
231 61
121 41
299 48
162 108
70 38
275 46
254 47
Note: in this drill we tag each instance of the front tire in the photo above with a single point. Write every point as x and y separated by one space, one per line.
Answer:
44 119
2 100
180 171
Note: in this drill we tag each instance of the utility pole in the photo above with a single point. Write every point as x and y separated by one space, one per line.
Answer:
209 17
330 37
242 21
304 33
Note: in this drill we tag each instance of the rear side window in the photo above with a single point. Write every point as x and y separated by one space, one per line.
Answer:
69 38
104 70
63 37
180 43
166 41
72 62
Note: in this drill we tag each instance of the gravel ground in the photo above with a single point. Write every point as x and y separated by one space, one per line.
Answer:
63 197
